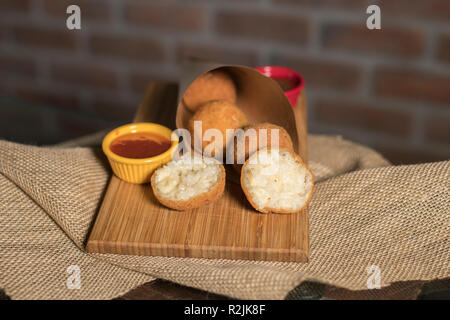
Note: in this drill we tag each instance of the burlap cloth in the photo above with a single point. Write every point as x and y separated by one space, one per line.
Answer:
364 212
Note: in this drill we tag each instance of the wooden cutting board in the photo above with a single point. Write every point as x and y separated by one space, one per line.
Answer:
131 220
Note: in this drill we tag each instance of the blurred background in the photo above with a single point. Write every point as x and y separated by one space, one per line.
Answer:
388 88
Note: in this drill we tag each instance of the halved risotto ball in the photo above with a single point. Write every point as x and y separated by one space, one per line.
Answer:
220 115
212 85
256 137
277 181
189 182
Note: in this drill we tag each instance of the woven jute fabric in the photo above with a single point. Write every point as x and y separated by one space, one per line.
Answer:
364 213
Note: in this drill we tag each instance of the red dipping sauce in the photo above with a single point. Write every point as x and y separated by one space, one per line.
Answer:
140 145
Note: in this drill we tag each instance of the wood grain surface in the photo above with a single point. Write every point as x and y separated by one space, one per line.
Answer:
131 220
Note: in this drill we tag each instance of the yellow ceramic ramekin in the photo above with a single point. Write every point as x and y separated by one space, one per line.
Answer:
138 170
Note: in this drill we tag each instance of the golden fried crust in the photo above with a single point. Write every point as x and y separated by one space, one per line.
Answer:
213 85
202 199
284 142
220 115
275 210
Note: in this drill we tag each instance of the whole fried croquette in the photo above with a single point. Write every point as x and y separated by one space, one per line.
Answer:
259 136
212 85
277 181
189 182
220 115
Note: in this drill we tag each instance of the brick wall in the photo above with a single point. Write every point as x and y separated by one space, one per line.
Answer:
387 88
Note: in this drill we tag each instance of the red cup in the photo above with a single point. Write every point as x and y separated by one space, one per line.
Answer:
290 81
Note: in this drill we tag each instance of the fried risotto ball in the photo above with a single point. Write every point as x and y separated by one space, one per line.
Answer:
220 115
277 181
212 85
249 140
189 182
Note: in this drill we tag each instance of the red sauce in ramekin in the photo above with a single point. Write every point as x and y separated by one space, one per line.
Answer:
140 145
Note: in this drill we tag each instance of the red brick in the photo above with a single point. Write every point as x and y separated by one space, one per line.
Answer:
443 48
15 5
114 109
263 26
17 66
410 155
328 4
2 32
46 38
74 126
438 129
364 117
423 9
412 85
27 122
241 1
140 81
129 47
216 54
323 74
49 98
387 41
165 15
84 75
98 9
